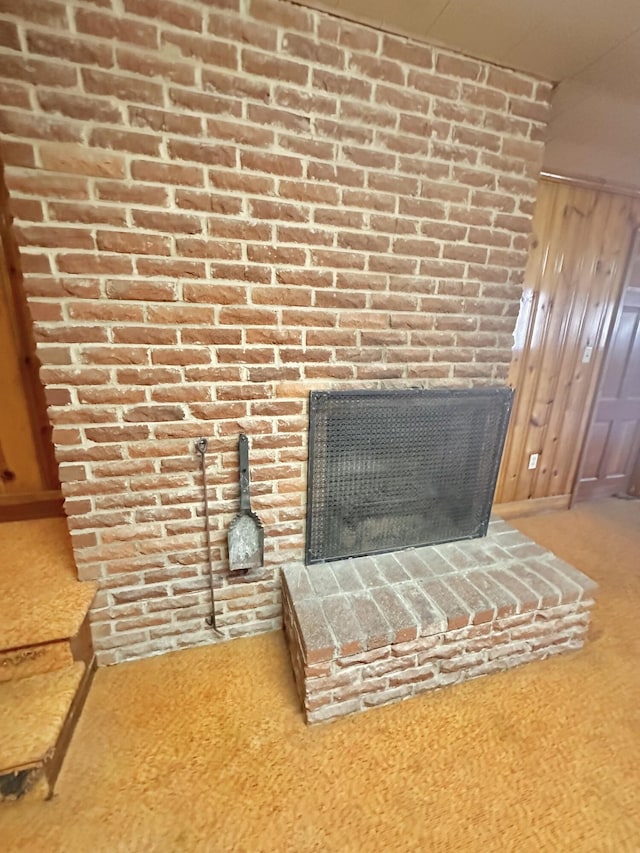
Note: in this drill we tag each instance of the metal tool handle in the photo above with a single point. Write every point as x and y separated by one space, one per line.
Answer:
243 450
201 449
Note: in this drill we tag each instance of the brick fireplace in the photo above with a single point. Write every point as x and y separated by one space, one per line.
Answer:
408 585
222 206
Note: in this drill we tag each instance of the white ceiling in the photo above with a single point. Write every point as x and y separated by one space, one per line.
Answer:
591 48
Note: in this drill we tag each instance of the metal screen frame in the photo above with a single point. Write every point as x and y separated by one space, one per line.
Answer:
481 412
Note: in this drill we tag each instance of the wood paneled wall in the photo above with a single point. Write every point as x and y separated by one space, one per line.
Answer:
581 240
29 485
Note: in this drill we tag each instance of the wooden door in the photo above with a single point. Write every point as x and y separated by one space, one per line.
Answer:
573 281
613 440
29 484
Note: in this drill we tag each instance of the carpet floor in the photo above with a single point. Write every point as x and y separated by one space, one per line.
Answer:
206 749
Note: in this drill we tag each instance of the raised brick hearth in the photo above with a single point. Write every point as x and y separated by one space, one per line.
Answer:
375 630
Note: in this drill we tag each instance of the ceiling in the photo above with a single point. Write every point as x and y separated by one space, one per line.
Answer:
590 48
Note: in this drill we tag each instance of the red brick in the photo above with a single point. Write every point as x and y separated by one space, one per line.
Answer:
9 35
46 235
140 290
45 12
76 160
94 264
115 355
338 259
272 67
131 243
183 355
170 223
278 14
281 296
42 312
313 52
226 82
72 49
153 414
197 248
301 102
231 229
176 14
201 152
105 312
134 143
264 254
40 264
121 87
121 29
240 30
33 71
507 81
376 629
144 335
149 65
271 164
278 211
237 272
168 267
38 127
210 51
180 315
135 194
87 213
309 192
57 396
147 375
162 120
17 154
379 69
341 84
253 184
457 66
202 102
348 35
404 50
244 134
214 294
251 355
247 317
14 95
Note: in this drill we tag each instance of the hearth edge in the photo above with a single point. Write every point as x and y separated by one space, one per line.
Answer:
380 629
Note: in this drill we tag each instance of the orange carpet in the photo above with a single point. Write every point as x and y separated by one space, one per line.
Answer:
206 750
41 599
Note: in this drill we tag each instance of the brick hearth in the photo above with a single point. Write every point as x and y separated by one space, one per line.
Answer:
375 630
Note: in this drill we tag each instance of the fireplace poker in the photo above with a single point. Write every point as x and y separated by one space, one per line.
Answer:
201 449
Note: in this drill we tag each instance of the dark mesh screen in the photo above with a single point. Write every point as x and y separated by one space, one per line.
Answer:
393 469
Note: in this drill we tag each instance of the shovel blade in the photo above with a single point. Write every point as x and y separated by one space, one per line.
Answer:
246 542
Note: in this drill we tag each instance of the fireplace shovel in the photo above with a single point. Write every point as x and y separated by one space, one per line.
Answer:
246 535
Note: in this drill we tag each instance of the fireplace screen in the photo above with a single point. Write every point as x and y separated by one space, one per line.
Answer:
394 469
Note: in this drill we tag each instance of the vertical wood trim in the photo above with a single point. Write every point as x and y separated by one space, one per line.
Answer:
21 352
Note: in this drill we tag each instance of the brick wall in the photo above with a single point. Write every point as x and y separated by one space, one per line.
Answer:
220 206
